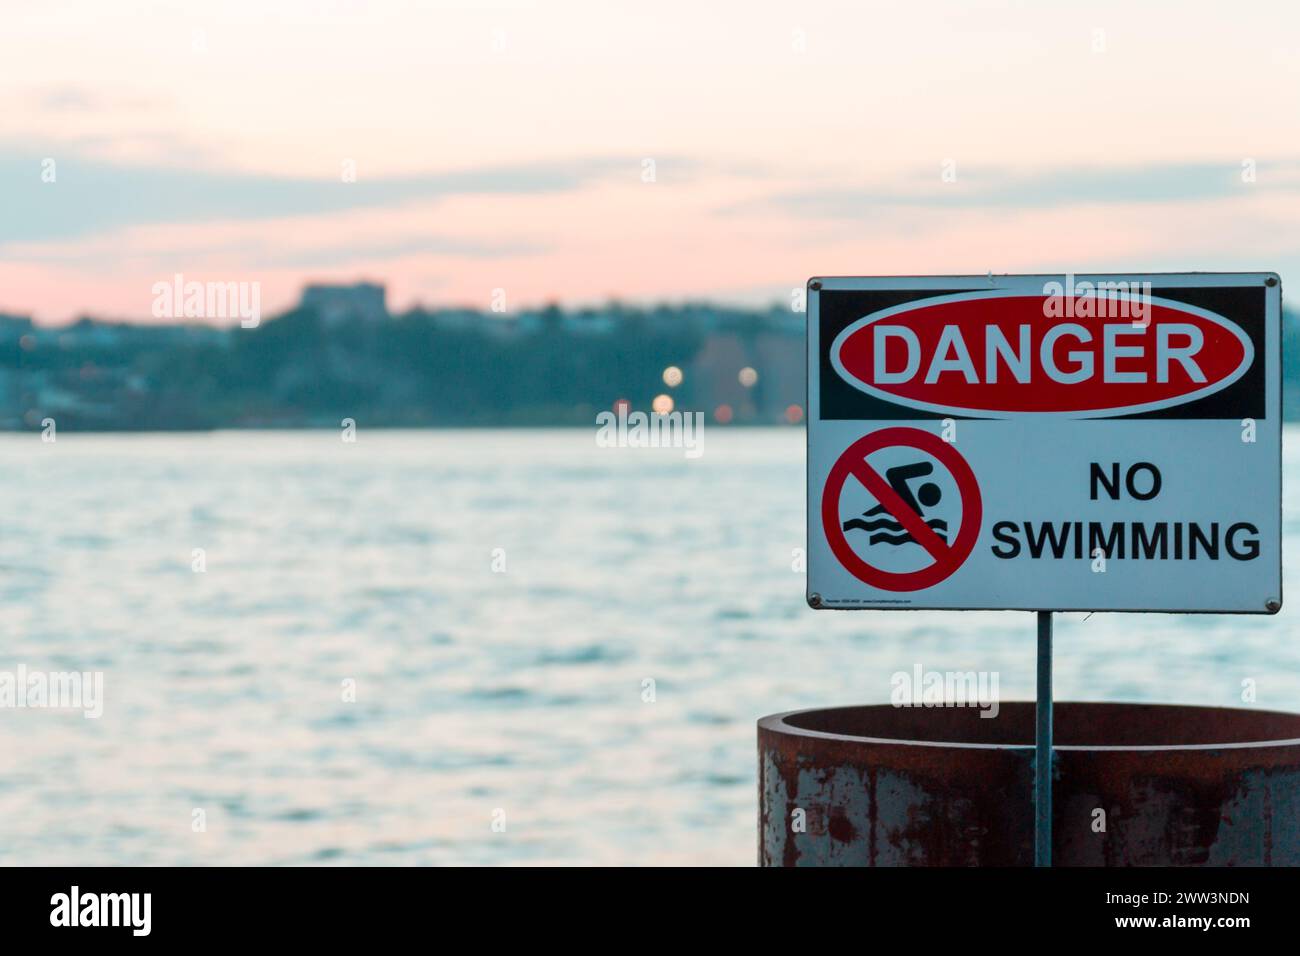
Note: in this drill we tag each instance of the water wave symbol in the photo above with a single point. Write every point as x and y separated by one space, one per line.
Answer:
893 532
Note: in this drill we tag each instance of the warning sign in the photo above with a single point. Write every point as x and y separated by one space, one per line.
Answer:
902 495
1045 442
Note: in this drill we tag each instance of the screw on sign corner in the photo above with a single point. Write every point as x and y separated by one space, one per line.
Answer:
1272 605
815 285
814 600
1270 281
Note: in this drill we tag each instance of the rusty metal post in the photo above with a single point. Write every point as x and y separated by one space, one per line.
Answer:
1043 745
1134 785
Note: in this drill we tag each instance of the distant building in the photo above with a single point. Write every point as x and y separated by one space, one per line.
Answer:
775 384
366 301
458 320
14 326
714 375
589 322
86 332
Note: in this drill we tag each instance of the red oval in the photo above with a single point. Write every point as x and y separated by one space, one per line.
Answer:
1038 345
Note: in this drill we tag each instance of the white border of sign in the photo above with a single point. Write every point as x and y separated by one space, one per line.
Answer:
1034 283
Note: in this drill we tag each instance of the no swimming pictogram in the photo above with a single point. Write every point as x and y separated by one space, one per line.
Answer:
897 502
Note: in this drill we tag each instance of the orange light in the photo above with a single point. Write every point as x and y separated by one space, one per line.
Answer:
722 414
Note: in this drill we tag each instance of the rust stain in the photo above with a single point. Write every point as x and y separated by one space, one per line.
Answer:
841 827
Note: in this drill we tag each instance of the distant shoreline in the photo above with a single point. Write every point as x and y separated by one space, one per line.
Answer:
361 426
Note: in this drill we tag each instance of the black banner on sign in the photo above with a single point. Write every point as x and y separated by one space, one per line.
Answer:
1242 305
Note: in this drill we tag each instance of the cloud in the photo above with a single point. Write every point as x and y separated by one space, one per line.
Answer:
265 254
91 196
346 254
994 188
71 99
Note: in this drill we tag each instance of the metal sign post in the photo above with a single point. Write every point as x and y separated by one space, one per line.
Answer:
1043 745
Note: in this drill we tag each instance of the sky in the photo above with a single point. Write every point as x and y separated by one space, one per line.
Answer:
582 151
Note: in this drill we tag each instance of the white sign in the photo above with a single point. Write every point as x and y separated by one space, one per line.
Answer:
1092 442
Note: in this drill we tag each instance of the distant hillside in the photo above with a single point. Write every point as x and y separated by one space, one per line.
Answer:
317 365
1291 365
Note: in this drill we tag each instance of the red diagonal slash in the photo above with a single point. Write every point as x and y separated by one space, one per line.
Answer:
896 506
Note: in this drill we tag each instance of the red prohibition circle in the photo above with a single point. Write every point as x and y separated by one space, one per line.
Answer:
948 558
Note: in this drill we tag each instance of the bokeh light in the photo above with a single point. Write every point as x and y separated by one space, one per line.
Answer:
794 414
748 377
722 414
672 376
663 404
